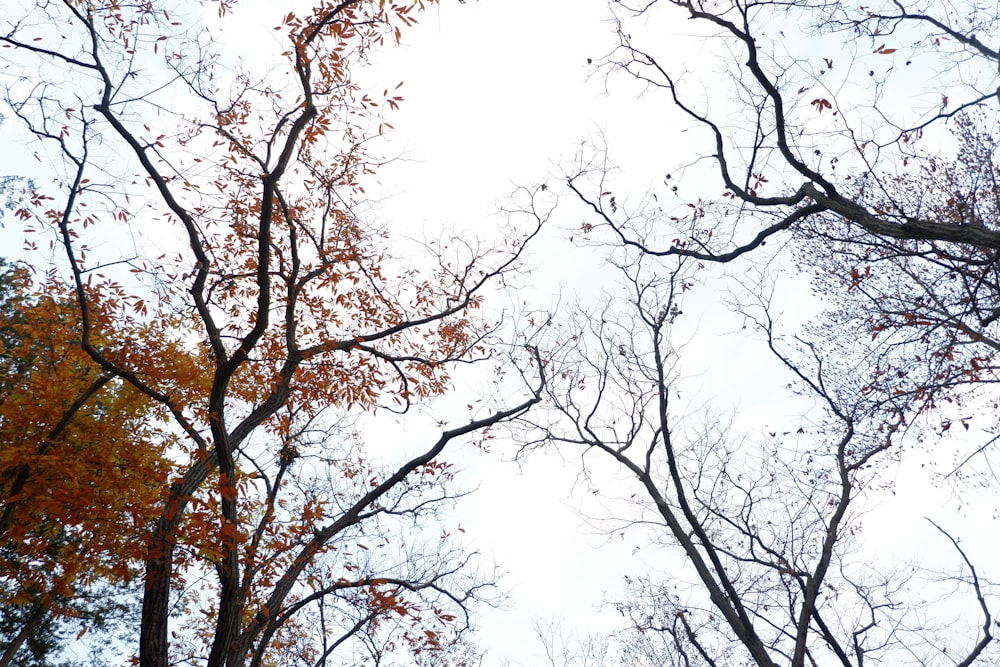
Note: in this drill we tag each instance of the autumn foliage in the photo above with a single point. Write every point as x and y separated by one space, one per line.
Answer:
73 439
270 317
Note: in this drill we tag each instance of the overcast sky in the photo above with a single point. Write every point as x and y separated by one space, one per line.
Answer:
498 93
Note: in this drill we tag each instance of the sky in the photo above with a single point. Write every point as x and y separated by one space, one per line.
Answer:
499 94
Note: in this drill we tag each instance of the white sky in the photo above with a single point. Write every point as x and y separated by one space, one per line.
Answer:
497 94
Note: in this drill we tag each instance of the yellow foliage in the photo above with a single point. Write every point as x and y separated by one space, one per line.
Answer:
81 453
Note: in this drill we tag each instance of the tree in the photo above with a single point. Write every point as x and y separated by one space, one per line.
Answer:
73 481
930 309
758 535
281 536
863 179
884 194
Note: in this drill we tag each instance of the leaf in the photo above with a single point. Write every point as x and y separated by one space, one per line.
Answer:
821 104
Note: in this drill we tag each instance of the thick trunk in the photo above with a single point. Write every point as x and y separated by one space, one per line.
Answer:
153 644
155 603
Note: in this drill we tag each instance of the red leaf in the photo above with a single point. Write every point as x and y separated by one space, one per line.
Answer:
821 104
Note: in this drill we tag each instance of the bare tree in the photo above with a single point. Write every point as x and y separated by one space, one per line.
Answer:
758 534
566 647
853 145
784 160
874 164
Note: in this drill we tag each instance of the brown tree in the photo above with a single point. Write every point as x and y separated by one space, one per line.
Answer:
233 176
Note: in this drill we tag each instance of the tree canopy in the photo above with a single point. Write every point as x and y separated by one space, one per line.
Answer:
259 312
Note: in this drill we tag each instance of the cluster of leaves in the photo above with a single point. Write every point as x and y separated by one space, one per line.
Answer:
74 438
